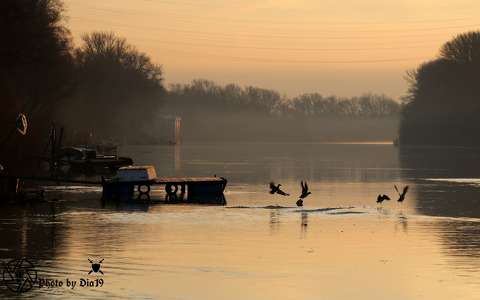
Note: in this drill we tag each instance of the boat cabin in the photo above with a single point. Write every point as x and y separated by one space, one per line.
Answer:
136 174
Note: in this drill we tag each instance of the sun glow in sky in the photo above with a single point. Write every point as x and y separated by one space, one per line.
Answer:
336 47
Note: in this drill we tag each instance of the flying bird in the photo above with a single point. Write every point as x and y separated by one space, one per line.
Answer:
402 194
381 198
305 191
304 194
275 189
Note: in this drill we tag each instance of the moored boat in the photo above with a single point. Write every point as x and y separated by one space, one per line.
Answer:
87 159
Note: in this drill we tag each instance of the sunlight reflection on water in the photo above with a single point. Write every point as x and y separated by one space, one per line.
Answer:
340 245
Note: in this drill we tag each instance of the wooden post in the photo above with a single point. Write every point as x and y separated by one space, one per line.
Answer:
53 145
178 124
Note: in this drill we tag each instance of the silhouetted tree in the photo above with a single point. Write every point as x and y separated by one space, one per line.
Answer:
35 72
203 96
231 113
366 106
442 104
119 89
465 48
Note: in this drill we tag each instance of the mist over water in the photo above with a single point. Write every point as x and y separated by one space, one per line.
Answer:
340 245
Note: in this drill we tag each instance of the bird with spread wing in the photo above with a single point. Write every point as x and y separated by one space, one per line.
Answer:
305 193
275 189
401 196
381 198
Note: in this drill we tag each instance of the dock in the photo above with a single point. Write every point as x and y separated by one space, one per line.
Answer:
178 189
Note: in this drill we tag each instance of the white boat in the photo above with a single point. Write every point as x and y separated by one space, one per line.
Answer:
136 174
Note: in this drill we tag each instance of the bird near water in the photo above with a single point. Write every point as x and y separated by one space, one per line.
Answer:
401 196
275 189
304 193
381 198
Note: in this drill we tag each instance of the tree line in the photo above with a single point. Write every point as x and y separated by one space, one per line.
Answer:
206 97
230 113
443 100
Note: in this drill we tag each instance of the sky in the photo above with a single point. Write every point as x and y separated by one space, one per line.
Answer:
334 47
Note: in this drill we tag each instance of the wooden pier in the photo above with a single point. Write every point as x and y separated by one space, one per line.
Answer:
178 189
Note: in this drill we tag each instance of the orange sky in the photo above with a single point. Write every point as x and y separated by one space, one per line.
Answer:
336 47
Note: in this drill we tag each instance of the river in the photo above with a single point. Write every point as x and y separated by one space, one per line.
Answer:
340 245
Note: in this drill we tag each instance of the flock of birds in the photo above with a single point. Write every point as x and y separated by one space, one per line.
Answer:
275 189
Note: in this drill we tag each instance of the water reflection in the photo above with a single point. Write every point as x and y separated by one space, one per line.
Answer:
31 230
303 224
261 162
140 206
445 186
402 222
178 250
177 158
274 221
443 197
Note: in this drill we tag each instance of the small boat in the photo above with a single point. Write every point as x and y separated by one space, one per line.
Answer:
122 185
87 159
136 174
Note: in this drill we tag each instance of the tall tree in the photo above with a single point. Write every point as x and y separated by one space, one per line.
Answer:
119 89
465 48
35 70
442 104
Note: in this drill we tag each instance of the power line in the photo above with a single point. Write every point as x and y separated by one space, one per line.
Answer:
231 46
289 61
264 21
255 36
323 31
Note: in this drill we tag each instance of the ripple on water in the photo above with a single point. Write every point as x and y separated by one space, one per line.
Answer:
468 181
72 188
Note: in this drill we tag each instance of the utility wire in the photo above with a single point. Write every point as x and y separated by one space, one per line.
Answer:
131 11
260 36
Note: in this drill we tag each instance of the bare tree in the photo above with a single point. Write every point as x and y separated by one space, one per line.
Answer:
119 89
464 48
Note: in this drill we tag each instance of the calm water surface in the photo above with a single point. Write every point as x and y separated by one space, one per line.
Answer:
341 245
